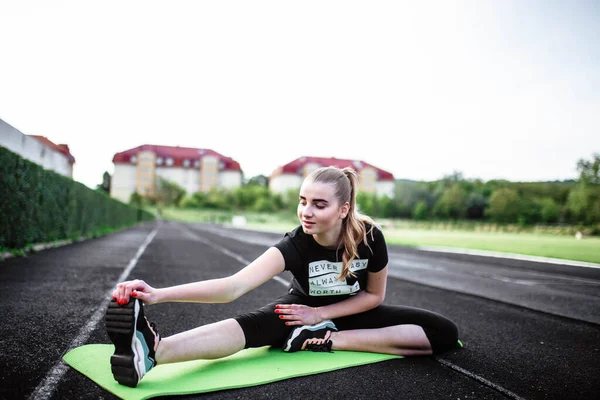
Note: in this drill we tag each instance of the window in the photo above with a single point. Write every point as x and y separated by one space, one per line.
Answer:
186 163
133 159
159 161
197 163
169 161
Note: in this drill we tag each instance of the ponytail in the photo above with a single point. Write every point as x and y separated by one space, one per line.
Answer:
354 228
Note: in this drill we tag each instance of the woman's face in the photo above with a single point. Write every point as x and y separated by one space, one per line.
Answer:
319 210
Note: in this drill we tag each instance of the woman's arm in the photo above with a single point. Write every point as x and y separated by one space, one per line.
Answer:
222 290
371 297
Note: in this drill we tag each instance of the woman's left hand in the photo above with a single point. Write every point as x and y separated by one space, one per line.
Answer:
297 314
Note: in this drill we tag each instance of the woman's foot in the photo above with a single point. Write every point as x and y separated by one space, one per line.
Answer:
135 341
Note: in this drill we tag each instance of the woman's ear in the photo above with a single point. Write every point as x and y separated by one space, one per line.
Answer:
344 210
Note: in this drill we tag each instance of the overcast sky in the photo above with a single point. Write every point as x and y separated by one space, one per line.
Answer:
493 89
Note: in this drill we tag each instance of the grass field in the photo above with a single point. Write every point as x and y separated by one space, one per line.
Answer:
543 245
563 247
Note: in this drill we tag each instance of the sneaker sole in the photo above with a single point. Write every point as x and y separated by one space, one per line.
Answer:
323 325
120 324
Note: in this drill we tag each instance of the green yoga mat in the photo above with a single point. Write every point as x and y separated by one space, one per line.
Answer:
248 367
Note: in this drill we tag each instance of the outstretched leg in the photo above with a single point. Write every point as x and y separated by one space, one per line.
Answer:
138 346
211 341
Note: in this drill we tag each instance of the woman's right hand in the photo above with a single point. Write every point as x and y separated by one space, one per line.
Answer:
137 289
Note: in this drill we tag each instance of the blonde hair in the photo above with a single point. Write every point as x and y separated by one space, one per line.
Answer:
345 183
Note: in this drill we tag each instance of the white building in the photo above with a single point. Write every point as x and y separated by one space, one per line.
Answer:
372 179
38 149
196 170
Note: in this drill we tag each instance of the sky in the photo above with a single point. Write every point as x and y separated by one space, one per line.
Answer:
491 89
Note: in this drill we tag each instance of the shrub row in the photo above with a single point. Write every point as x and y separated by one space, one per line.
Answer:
38 205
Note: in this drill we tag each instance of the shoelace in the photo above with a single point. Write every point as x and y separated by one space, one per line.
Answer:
320 347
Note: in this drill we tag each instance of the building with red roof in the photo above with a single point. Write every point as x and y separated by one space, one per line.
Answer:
38 149
196 170
372 178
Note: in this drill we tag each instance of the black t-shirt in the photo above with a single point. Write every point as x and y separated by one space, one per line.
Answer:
316 268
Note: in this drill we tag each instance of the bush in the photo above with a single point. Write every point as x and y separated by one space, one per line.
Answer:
420 211
38 205
504 206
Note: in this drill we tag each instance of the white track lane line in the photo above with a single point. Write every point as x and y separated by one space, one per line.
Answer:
47 387
442 361
478 378
227 252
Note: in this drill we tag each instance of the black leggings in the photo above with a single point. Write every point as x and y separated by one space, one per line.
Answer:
264 328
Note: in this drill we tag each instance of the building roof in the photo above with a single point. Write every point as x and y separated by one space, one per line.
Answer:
295 166
61 148
178 154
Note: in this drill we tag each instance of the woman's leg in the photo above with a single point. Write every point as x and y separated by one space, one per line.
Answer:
395 330
211 341
254 329
404 340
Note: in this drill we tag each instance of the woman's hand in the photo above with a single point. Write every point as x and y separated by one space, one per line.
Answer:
137 289
298 314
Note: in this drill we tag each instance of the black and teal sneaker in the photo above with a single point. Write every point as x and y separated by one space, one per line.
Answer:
134 339
296 340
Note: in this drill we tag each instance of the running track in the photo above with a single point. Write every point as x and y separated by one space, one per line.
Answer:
531 330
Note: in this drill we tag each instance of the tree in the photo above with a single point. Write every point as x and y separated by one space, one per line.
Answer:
409 193
583 204
476 205
105 185
589 171
452 203
136 199
420 210
504 205
389 208
168 193
258 180
550 211
290 200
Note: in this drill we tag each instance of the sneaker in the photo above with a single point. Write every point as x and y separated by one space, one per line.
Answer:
134 339
324 346
301 334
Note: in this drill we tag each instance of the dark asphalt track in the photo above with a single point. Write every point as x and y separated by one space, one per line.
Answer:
516 345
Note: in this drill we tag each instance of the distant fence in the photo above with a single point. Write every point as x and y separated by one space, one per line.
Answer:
38 205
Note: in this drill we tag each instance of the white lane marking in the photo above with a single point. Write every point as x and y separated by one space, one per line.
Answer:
229 253
438 359
45 389
497 254
479 379
548 278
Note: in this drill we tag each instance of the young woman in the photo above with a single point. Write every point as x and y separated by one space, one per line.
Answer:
338 258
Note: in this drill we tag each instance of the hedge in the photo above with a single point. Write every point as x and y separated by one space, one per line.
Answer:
39 206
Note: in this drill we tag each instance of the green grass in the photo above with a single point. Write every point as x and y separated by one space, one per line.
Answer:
534 244
255 220
555 246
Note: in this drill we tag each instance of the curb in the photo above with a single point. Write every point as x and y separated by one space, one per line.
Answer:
43 246
58 243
